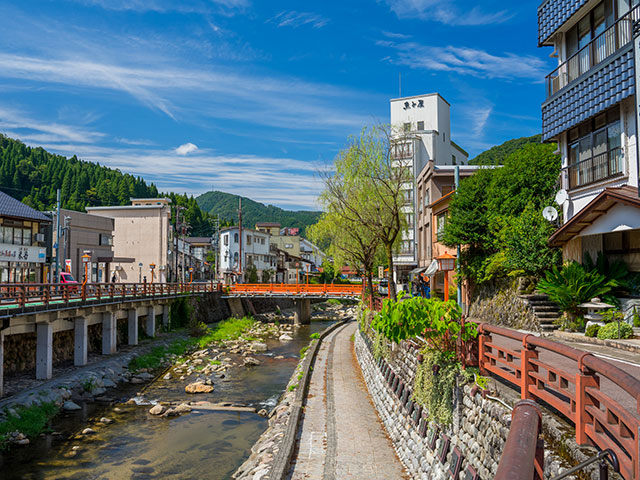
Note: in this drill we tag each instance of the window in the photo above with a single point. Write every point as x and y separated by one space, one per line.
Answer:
225 239
26 236
262 241
410 220
248 239
441 221
453 160
595 149
426 197
420 126
17 236
235 238
408 195
288 245
406 247
235 258
105 239
444 137
406 127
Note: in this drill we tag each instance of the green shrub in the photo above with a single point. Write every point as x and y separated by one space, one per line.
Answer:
180 312
592 330
434 383
229 329
610 331
572 285
315 336
28 420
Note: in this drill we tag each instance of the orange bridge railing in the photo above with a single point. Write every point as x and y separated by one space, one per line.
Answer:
295 289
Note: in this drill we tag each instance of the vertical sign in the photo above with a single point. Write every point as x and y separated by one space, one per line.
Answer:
380 271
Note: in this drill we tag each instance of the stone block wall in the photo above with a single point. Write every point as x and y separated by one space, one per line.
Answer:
479 430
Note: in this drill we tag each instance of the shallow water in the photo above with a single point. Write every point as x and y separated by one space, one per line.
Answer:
198 445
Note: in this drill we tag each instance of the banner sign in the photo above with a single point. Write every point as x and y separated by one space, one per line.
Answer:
21 253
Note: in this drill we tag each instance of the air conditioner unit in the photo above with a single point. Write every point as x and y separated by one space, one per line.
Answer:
38 237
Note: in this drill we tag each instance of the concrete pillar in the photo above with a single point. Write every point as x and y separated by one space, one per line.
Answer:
81 342
150 323
302 312
165 317
109 333
235 305
1 364
44 351
133 327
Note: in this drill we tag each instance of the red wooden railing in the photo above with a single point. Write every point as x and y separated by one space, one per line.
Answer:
24 295
325 290
600 399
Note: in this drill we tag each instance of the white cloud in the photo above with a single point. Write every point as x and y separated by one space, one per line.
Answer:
162 6
467 61
186 149
298 19
446 11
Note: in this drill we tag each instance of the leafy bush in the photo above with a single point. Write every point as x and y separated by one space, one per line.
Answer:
610 331
28 420
437 321
572 285
592 330
229 329
434 383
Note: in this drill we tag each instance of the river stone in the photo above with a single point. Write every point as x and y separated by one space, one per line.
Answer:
70 406
251 362
156 410
106 420
108 383
285 338
198 387
88 431
259 347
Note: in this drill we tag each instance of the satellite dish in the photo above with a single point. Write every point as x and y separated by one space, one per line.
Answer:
550 214
561 197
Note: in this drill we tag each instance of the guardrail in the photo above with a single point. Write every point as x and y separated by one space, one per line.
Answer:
49 295
302 289
571 385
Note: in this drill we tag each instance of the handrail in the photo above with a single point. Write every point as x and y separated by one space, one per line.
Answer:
522 456
596 51
573 390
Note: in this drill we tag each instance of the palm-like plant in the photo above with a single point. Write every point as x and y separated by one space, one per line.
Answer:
572 285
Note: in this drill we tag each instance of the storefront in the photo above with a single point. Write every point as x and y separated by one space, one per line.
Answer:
23 254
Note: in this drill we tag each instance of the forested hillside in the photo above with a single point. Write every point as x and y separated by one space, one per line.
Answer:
496 155
33 175
226 206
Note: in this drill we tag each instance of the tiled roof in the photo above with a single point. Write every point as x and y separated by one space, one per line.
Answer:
603 88
552 14
10 207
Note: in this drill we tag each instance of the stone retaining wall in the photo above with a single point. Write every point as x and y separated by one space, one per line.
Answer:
479 430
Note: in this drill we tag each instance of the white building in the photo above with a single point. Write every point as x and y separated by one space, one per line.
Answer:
422 128
255 251
311 253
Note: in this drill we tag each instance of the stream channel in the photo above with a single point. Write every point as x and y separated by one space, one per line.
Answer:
197 445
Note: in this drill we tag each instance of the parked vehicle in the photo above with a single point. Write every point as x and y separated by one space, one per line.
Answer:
383 287
67 279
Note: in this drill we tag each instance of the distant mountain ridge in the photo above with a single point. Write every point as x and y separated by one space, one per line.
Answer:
496 155
226 206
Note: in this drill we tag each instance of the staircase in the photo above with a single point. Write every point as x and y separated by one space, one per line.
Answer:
543 308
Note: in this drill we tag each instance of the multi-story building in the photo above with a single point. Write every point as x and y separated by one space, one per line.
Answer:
422 136
236 257
312 254
23 252
86 234
590 111
141 239
200 247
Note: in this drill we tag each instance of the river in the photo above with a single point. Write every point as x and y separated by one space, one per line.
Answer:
198 445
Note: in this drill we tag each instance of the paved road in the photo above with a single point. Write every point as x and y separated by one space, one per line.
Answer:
341 436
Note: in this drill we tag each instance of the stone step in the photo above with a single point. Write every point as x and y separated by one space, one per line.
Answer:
545 308
547 315
533 297
548 327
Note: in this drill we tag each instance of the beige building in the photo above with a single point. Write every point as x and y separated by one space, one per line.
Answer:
142 235
82 234
272 228
287 243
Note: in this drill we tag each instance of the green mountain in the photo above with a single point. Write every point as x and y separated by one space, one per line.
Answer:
226 206
32 175
496 155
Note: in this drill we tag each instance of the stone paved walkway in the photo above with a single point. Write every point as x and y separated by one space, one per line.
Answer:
341 436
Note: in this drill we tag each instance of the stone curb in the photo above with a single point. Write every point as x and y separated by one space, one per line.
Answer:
282 461
579 338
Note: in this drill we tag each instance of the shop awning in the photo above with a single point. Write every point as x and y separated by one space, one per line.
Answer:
432 268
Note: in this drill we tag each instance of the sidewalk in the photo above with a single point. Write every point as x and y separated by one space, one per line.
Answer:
341 435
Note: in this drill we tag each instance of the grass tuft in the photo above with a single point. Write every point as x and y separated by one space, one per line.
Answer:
28 420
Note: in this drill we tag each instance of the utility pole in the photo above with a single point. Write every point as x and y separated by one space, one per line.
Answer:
177 249
459 279
67 241
240 235
57 279
215 221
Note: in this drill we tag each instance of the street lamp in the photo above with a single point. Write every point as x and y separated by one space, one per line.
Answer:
140 273
85 261
152 266
446 263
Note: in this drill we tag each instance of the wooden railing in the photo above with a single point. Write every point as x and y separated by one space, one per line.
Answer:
47 295
302 289
600 399
596 51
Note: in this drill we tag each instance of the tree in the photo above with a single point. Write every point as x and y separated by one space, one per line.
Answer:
365 191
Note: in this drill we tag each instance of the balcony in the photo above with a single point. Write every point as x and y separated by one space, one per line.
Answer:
402 151
599 167
594 53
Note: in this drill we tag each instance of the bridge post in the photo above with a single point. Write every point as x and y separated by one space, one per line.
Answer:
150 322
109 333
302 312
44 351
165 317
132 327
81 341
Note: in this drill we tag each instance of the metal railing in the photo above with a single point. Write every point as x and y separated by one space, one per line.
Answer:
607 418
596 168
37 296
596 51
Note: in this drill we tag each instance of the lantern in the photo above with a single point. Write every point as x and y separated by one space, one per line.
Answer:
446 263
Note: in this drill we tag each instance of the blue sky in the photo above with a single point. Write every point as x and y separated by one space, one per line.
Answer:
252 97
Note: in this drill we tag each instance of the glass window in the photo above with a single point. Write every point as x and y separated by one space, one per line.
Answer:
441 221
226 239
26 236
235 238
426 197
420 126
406 127
8 234
17 236
248 239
